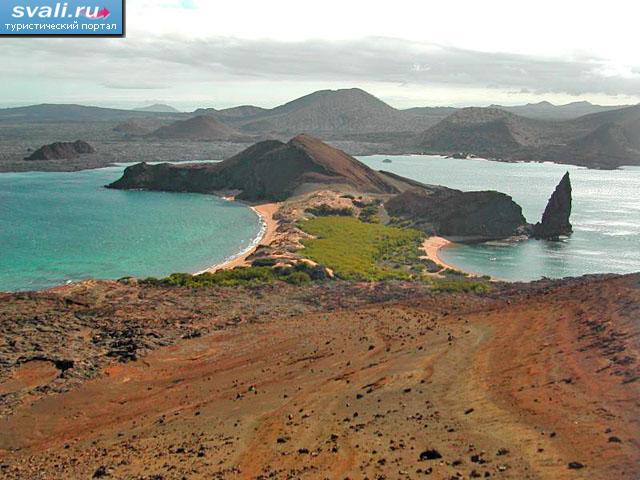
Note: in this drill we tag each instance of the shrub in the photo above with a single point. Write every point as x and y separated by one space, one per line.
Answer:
263 262
325 210
369 214
452 272
431 266
237 276
297 278
246 276
460 286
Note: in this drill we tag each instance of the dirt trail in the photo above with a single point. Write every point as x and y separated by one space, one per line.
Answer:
451 386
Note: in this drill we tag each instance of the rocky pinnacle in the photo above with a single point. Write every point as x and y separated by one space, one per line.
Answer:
555 220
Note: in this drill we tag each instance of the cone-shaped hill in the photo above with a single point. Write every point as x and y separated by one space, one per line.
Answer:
202 127
269 170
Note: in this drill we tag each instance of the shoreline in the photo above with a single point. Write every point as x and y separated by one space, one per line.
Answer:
265 212
432 246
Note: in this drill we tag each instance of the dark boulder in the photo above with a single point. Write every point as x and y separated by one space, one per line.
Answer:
555 220
430 454
61 151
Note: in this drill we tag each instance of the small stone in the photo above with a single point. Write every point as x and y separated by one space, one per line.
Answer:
100 472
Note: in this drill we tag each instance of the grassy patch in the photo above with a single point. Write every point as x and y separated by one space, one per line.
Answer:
362 251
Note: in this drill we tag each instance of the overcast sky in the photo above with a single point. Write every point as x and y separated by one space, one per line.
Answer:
194 53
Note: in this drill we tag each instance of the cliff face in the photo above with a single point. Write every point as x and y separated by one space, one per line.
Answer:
555 219
269 170
483 215
61 151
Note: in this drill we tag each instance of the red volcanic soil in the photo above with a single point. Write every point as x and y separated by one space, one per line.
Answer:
528 382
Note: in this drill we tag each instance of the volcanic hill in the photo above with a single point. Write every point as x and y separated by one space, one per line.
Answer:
268 170
61 151
328 113
202 127
158 108
607 139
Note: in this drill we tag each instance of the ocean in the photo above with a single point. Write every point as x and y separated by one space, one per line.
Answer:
605 218
57 228
62 227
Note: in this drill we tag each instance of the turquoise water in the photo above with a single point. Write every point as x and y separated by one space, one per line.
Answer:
61 227
606 215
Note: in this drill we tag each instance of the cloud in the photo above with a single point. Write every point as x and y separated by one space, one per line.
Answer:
162 62
127 85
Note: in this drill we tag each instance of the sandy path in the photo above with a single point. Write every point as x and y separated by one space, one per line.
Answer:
509 390
266 211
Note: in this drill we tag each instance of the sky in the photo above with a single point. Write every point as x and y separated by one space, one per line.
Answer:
205 53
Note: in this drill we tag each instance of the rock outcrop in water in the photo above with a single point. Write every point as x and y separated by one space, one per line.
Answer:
269 170
61 151
555 220
477 216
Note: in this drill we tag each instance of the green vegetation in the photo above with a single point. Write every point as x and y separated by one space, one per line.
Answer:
369 214
325 210
297 278
363 251
452 272
353 249
264 262
460 286
246 276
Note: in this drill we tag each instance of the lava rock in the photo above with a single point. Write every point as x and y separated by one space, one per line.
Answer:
61 151
555 220
431 454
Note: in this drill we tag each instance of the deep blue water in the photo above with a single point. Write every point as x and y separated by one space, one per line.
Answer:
606 215
60 227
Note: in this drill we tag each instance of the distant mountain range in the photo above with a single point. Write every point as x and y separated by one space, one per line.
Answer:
549 111
606 137
600 140
56 113
158 108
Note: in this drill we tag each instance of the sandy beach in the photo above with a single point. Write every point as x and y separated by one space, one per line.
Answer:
265 211
432 247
